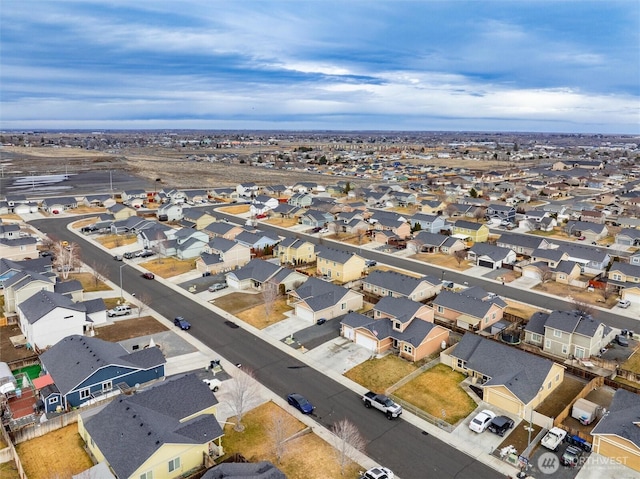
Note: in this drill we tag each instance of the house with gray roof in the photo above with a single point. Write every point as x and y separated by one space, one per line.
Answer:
9 268
511 379
617 434
315 299
258 240
244 470
222 255
567 334
523 245
473 309
490 256
425 242
18 248
591 259
224 229
628 237
398 324
9 231
624 278
72 288
428 223
46 317
257 272
339 265
84 368
21 285
59 204
590 231
398 285
171 426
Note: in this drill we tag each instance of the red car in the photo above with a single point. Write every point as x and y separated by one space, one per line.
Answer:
148 276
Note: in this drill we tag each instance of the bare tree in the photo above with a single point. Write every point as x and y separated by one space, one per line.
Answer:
270 293
583 308
607 291
478 214
451 209
334 227
98 273
279 433
546 273
460 255
361 233
67 257
143 302
243 394
347 442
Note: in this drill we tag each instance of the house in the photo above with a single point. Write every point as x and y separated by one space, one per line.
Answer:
257 272
261 204
172 433
285 210
315 218
136 193
99 200
9 231
155 236
295 251
625 279
628 237
551 257
567 272
425 242
501 213
591 260
592 216
511 379
617 435
223 229
567 334
258 241
71 288
21 284
244 470
339 265
47 317
398 229
9 268
522 244
398 324
121 212
490 256
590 231
428 223
222 255
316 299
300 200
170 212
84 368
305 187
466 230
397 285
19 248
59 204
473 309
432 207
190 243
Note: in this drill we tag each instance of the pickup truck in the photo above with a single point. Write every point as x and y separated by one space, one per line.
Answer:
553 438
378 473
382 403
214 384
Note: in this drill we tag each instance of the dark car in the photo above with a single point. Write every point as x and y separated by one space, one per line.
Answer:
300 403
146 253
621 340
370 262
148 275
117 257
321 321
571 456
182 323
500 425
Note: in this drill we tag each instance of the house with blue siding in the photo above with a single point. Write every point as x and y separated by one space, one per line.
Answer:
84 369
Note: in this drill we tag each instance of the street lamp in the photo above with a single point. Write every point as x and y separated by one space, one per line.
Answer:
121 298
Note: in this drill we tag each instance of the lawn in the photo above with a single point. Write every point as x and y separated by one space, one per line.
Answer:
256 316
113 241
235 210
519 437
59 453
574 293
8 470
380 374
440 259
438 392
521 310
129 329
89 282
282 222
633 363
235 303
306 457
168 267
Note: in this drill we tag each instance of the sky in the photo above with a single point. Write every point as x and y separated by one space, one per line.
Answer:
539 66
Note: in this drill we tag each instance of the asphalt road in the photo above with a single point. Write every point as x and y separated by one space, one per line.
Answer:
396 444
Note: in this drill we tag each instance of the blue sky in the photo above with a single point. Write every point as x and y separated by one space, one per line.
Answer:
562 66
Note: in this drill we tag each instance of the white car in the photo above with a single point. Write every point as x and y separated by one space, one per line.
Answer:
481 421
214 384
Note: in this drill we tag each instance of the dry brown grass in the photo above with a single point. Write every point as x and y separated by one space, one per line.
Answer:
282 222
81 210
235 303
349 238
113 241
397 270
58 453
521 310
440 259
256 316
633 363
573 293
168 267
438 392
84 222
307 457
8 470
130 328
88 282
235 210
380 374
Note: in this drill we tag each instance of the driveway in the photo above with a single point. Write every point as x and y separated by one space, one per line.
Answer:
524 283
339 355
287 327
486 439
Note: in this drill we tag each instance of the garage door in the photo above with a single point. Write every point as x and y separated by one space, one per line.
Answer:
303 313
366 342
633 297
530 273
486 264
233 282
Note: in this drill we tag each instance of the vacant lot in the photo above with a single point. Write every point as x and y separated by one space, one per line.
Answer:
168 267
130 328
235 210
574 293
440 259
282 222
380 374
521 310
113 241
57 454
236 302
438 392
305 457
90 282
256 316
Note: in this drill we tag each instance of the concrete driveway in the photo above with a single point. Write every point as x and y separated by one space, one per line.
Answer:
524 283
487 440
339 355
286 327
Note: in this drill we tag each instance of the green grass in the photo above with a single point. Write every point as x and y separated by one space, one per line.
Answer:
379 374
32 371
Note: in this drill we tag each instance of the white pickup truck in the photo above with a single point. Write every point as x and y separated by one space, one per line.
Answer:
214 384
553 438
382 403
378 473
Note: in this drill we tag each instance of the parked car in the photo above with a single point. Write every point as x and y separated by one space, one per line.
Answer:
500 425
370 262
621 340
214 384
217 287
128 255
321 321
571 456
146 253
117 257
148 275
182 323
378 473
481 421
624 303
300 403
581 238
44 254
121 310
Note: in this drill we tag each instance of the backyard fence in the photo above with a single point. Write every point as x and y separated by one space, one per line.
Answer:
596 382
441 423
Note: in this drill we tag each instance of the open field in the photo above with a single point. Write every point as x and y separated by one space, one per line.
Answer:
380 374
130 328
59 453
305 457
573 293
235 210
89 281
438 392
168 267
440 259
282 222
113 241
256 316
235 303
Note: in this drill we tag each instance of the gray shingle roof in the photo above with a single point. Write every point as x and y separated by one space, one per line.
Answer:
627 269
623 417
67 287
403 309
463 303
520 372
149 419
393 281
320 294
525 241
337 255
536 322
244 470
43 302
496 253
257 269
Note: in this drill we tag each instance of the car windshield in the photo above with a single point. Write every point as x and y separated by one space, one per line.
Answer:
302 401
387 402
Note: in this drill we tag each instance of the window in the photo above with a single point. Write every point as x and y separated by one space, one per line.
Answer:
85 393
617 277
378 313
343 306
565 349
397 325
547 344
536 338
407 348
557 377
53 400
107 386
440 309
174 464
557 333
549 385
147 475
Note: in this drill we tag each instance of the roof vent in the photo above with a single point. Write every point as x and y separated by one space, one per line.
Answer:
141 424
149 433
127 408
157 442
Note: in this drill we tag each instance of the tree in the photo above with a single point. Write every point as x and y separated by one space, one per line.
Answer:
335 228
473 193
478 214
583 308
416 227
270 295
545 273
460 255
451 209
67 258
143 301
242 394
347 188
98 273
279 434
347 442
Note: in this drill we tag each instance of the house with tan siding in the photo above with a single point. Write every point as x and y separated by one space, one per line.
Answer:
295 251
339 265
473 309
315 299
398 285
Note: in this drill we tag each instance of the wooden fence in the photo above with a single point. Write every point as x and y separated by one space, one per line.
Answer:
41 428
13 454
596 382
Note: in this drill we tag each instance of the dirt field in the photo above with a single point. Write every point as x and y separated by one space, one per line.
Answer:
440 259
168 267
577 294
130 328
7 352
256 316
113 241
282 222
235 303
563 395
